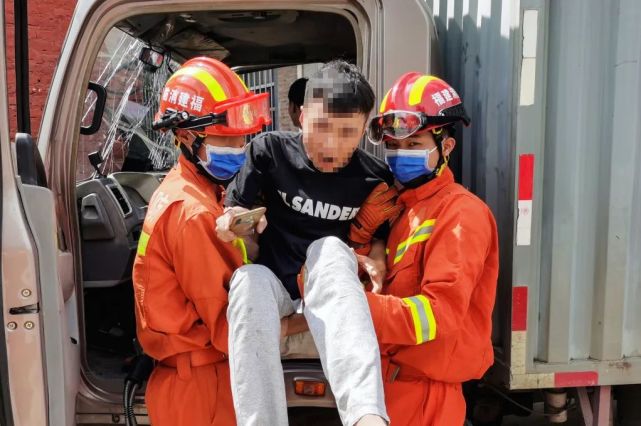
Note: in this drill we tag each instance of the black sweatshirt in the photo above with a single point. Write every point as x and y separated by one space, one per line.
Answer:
303 204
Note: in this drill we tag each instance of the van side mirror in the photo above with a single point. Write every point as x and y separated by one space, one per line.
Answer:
152 58
31 169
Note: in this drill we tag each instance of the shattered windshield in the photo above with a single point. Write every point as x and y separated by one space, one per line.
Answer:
125 139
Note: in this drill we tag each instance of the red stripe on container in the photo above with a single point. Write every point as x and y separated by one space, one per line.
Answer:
519 308
576 379
526 176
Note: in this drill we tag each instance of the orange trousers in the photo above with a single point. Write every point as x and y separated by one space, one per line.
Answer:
424 403
194 396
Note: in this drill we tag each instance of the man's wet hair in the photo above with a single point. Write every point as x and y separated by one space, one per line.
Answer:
342 88
296 94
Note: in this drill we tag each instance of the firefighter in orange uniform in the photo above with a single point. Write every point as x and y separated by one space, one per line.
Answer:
434 316
182 269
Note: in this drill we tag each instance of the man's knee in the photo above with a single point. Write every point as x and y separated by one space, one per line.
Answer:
327 245
250 280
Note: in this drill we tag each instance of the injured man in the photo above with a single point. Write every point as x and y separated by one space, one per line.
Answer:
321 192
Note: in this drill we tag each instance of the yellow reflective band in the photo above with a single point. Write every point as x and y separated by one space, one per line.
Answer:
384 103
420 234
424 228
443 166
415 239
422 317
239 243
416 92
242 82
430 317
142 243
215 89
418 330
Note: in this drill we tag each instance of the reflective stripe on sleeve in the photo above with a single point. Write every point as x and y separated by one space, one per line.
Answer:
142 243
423 318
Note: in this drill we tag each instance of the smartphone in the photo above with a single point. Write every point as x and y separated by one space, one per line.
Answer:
244 223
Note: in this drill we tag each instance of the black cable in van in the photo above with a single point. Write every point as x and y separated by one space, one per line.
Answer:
142 367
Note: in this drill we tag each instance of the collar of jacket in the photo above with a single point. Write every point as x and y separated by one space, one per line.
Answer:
409 197
188 170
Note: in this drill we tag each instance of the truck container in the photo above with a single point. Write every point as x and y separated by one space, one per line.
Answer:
554 92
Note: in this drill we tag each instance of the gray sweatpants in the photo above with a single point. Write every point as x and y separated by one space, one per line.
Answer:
338 316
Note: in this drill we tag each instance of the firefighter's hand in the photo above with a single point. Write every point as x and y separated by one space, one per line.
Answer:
293 324
376 270
379 207
223 224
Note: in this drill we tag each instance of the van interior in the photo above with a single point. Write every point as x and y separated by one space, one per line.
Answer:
121 163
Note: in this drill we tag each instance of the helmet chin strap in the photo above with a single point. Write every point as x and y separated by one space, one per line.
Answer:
192 156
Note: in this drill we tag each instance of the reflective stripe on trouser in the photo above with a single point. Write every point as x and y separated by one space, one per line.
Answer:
335 306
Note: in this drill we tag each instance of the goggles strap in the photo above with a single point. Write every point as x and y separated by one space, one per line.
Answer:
192 156
442 159
182 120
204 121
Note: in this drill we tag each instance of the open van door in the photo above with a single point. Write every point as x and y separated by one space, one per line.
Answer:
57 258
39 362
6 413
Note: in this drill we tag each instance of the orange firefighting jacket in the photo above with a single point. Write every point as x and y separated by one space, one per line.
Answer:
434 318
182 269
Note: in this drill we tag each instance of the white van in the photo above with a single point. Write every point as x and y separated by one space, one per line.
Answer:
73 205
554 92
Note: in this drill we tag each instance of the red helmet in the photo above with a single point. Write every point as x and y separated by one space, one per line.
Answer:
416 102
206 96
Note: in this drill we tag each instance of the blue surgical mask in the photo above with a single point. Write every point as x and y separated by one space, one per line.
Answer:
408 164
223 162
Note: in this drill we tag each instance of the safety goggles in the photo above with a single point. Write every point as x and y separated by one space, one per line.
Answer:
403 124
235 117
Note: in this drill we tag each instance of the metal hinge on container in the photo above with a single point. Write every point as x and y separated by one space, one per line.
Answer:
27 309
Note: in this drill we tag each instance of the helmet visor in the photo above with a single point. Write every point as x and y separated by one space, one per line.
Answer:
237 117
245 116
394 124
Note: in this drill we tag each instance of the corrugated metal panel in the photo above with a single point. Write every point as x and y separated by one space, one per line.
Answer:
477 47
560 80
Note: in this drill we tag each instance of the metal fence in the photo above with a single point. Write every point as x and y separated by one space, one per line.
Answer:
264 82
